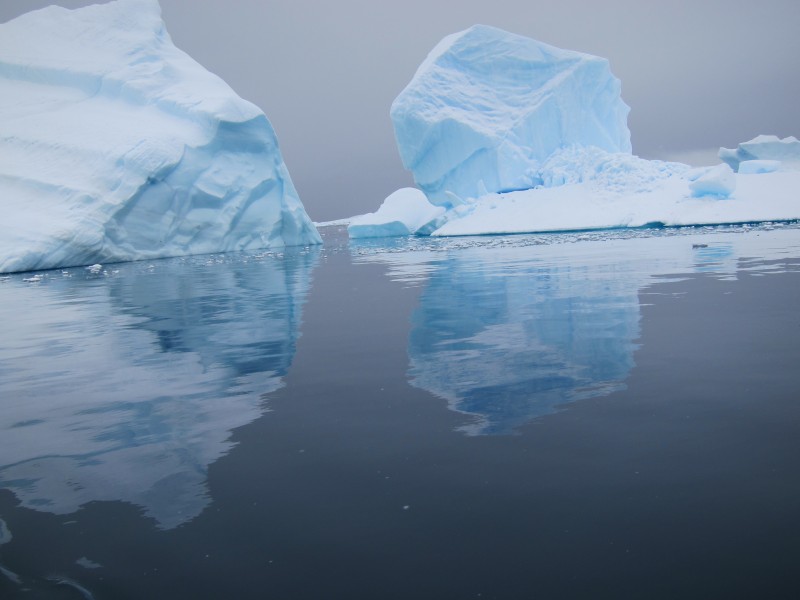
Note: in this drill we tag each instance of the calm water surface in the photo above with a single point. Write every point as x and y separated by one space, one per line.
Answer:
596 415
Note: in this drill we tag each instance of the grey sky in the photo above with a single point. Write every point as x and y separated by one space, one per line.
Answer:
697 74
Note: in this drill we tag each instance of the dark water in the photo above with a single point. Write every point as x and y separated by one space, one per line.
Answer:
589 416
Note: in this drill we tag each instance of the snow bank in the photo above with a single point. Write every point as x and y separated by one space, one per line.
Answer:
116 146
487 107
582 206
402 213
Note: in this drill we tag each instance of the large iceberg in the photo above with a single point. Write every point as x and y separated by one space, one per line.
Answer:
510 135
115 146
486 108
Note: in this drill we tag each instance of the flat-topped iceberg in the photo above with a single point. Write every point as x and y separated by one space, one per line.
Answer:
116 146
486 108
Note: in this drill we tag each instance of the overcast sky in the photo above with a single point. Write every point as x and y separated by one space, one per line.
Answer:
697 74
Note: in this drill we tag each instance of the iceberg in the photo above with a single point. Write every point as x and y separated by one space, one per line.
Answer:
510 135
486 108
115 146
404 212
785 152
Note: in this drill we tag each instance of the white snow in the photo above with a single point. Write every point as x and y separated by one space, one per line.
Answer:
404 212
573 207
487 107
115 146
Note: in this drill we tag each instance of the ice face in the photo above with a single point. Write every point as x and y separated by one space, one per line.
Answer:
487 107
763 148
118 146
717 182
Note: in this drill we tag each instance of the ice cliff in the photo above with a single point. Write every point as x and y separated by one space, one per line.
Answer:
116 146
486 108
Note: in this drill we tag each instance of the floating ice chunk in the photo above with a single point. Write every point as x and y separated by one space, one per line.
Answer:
5 534
487 107
717 182
115 146
87 563
764 147
402 213
755 167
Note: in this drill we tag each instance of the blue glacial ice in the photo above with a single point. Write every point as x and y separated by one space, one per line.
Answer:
486 108
768 152
115 145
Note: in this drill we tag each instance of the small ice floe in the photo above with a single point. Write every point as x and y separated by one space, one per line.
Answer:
5 537
87 563
34 279
94 269
5 534
66 582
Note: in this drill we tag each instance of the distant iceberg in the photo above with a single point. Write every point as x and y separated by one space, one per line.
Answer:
510 135
117 146
768 152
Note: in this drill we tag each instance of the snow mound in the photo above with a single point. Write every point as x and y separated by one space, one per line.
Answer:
116 146
487 108
763 147
402 213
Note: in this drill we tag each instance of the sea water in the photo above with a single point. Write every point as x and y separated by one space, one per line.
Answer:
596 414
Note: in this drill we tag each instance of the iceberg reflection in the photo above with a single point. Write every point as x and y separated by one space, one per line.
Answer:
512 328
125 384
510 346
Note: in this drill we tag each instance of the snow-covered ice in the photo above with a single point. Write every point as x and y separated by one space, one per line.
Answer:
514 136
487 107
402 213
115 146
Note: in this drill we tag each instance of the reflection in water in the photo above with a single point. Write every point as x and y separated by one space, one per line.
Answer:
508 347
509 329
126 384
